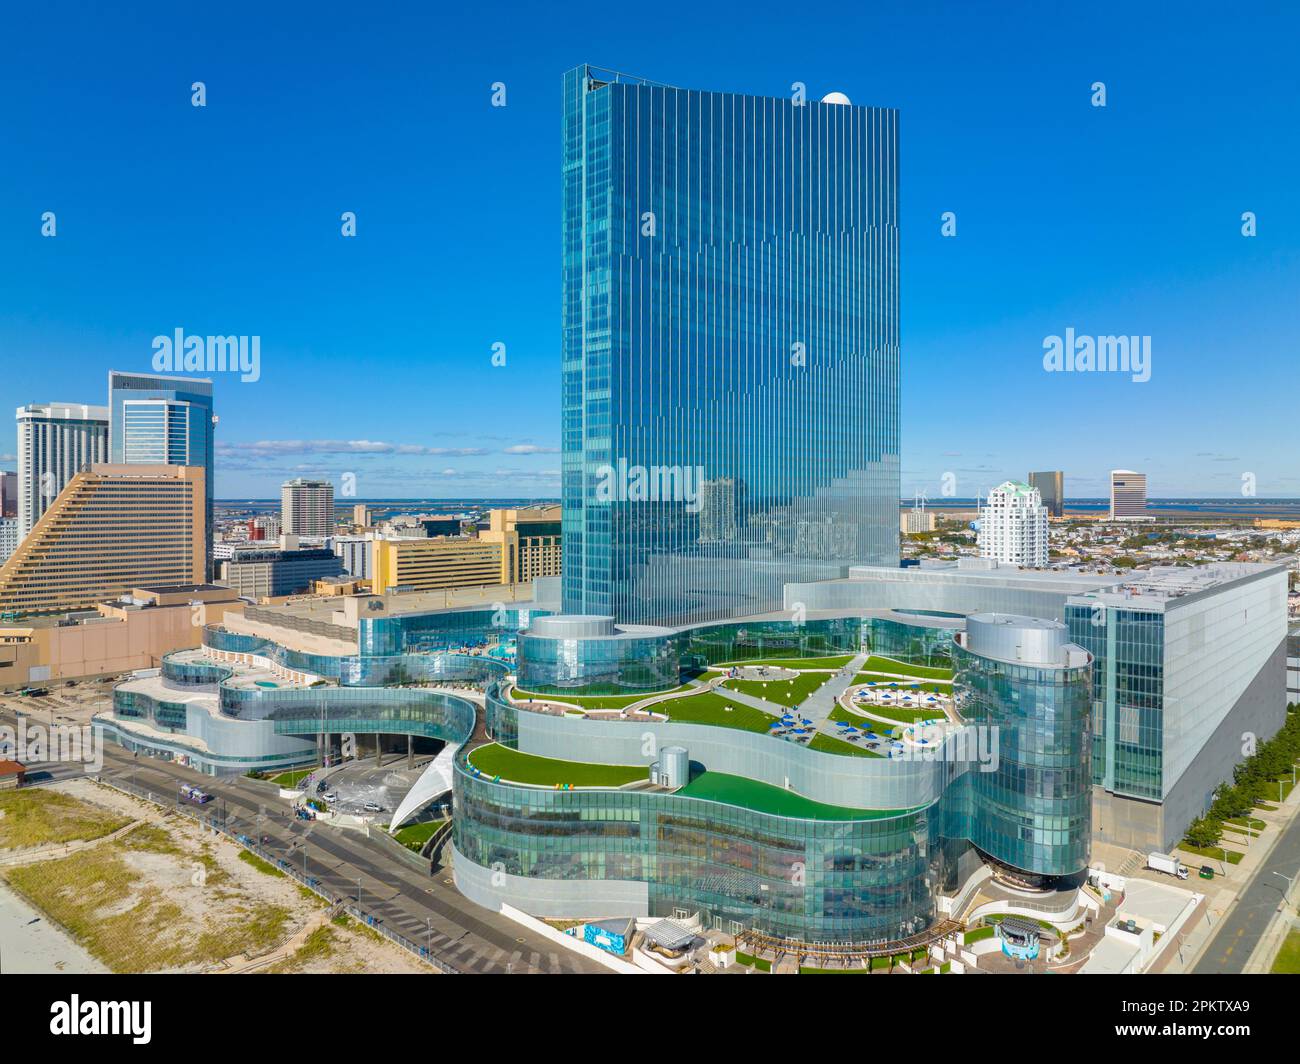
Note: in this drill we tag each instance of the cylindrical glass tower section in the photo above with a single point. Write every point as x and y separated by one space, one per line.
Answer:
579 652
1022 678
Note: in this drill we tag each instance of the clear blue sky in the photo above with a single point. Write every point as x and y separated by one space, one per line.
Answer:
225 219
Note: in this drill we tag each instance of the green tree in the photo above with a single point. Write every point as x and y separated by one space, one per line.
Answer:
1204 832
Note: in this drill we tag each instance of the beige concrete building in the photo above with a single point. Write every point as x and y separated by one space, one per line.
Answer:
530 542
116 637
517 547
430 564
112 528
912 521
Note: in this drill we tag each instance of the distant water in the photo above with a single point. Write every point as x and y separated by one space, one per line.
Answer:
31 945
1234 507
388 507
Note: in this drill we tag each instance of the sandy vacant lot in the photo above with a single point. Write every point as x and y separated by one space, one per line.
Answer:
168 896
343 945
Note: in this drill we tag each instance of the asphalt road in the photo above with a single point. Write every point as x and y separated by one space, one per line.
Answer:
1232 944
426 909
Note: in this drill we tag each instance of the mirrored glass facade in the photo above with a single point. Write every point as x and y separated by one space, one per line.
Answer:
411 633
816 880
915 641
1034 812
729 349
1128 697
626 664
358 670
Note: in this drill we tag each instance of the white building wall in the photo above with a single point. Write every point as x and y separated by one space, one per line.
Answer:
1214 647
55 441
1013 526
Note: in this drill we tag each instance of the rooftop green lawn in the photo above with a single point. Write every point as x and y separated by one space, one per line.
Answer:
902 668
828 744
711 707
497 760
934 687
787 693
792 663
840 713
764 798
593 701
898 714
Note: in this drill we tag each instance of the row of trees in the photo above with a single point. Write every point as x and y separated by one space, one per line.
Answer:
1254 781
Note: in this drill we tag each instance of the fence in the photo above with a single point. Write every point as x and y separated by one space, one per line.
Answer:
222 826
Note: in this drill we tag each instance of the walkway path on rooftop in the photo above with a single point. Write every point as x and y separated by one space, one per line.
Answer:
741 698
817 706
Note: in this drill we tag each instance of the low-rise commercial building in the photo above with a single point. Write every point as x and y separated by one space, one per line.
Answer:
265 574
134 632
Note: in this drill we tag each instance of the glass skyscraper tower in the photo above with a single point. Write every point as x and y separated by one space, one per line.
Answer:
160 420
730 346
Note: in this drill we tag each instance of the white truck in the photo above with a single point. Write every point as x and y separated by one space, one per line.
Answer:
1167 863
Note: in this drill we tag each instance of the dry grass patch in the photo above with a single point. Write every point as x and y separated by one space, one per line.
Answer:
40 816
164 898
345 946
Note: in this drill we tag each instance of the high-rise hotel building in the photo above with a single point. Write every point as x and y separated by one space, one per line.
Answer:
730 316
1013 526
1051 486
155 419
111 529
1128 494
55 441
307 507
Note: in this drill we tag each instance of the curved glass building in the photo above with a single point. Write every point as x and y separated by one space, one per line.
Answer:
1023 678
593 655
746 854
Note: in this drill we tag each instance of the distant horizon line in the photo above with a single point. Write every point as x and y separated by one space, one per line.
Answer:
1236 499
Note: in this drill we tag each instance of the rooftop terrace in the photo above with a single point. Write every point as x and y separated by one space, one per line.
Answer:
764 798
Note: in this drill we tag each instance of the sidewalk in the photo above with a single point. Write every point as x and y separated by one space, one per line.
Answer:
1223 896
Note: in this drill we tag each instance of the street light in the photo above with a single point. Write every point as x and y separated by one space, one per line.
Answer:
1290 881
